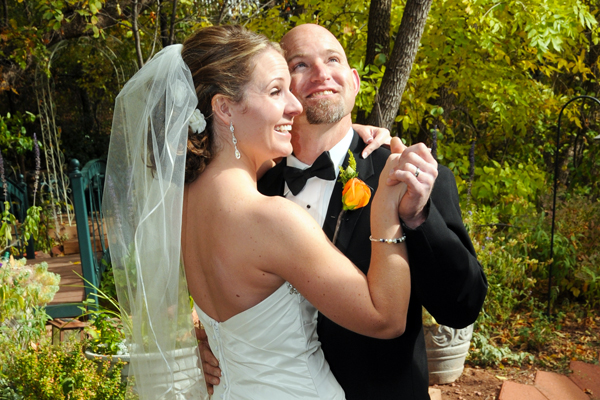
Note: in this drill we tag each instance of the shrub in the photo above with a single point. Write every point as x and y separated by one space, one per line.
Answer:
504 251
515 258
47 372
577 267
24 290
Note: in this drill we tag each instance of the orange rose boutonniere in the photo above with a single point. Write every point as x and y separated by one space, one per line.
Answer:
356 193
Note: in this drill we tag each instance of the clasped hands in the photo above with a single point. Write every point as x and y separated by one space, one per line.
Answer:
415 167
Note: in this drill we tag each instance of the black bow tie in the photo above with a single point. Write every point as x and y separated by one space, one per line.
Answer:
296 178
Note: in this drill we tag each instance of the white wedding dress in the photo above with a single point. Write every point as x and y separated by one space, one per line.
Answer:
271 351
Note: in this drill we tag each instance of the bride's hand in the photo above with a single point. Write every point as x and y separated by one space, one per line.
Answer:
392 192
373 136
416 168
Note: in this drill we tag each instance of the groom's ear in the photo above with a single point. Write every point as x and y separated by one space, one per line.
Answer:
221 106
356 80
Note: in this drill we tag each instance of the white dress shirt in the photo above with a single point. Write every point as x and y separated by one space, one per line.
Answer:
315 196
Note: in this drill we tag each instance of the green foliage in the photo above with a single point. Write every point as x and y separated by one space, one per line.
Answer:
350 171
485 353
107 284
516 260
30 228
24 291
58 372
31 225
42 222
106 336
513 189
111 325
510 274
14 140
576 270
8 222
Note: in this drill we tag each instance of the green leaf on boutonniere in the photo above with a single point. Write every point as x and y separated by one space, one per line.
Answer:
350 171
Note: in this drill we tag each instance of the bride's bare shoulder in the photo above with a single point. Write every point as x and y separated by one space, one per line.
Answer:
281 211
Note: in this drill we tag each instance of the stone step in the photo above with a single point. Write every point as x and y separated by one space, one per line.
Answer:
582 384
435 394
587 378
514 391
558 387
71 246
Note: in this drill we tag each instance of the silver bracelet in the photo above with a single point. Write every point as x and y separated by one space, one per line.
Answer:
390 241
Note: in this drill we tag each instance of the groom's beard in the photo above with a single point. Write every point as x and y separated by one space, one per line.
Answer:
324 111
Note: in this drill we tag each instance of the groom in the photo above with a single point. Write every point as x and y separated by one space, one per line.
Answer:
445 275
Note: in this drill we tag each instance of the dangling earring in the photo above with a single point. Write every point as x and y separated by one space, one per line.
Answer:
237 152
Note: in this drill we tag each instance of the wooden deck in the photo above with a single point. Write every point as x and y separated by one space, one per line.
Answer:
71 286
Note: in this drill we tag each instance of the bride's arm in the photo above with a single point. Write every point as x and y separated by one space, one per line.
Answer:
294 247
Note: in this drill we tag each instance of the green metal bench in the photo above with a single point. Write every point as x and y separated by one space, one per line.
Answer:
19 204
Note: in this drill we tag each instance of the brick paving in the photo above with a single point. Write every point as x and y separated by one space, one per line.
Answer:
513 390
582 384
587 377
558 387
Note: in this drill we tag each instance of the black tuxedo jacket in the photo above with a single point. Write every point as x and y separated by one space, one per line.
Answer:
445 278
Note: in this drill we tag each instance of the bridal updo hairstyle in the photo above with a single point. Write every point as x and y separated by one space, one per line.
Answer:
221 60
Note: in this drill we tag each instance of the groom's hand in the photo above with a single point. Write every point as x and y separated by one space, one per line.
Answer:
210 364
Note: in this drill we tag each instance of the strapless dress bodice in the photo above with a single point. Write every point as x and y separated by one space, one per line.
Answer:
271 351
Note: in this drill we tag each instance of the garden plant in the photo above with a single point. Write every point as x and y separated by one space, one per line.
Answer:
31 367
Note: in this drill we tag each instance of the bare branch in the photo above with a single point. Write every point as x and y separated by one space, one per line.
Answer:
136 34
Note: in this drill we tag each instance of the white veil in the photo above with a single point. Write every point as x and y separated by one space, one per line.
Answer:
142 205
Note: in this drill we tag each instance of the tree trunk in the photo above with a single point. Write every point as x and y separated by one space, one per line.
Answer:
379 34
173 17
379 29
167 27
163 21
4 21
400 64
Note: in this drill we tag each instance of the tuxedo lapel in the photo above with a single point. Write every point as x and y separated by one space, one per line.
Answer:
365 171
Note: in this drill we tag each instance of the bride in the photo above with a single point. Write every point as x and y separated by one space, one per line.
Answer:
191 130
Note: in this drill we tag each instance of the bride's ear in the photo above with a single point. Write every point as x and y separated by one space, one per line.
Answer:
221 106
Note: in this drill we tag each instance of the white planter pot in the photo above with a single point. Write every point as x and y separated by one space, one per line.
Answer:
188 380
112 359
447 349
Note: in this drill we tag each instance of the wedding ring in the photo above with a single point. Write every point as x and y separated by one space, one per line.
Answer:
417 172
